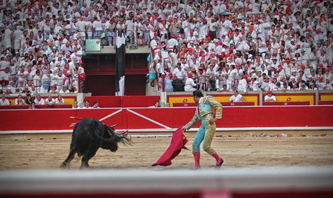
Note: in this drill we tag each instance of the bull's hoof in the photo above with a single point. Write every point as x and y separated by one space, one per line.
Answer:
83 166
63 165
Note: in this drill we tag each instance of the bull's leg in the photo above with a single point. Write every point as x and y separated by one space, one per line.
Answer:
68 160
87 156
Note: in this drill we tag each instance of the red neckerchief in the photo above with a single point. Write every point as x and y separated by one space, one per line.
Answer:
273 31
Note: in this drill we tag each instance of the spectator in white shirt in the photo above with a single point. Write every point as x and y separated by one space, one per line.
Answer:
95 105
270 97
19 100
236 97
179 72
49 101
76 105
39 100
4 100
86 105
60 100
190 84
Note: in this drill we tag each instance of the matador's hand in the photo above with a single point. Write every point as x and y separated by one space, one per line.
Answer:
211 121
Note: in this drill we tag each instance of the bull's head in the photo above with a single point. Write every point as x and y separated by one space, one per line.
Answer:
111 143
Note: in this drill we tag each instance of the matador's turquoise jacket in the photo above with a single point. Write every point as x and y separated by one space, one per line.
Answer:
205 107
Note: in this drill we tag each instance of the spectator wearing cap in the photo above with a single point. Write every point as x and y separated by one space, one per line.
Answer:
312 86
60 61
254 83
190 85
270 97
322 59
328 74
236 97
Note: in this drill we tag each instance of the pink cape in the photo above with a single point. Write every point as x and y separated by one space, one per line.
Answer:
177 144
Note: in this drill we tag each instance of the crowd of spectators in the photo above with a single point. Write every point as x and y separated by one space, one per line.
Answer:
40 46
211 45
250 45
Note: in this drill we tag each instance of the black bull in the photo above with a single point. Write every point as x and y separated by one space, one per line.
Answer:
88 136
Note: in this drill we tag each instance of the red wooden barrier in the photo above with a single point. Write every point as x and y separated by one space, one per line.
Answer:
168 118
43 119
191 104
325 102
286 103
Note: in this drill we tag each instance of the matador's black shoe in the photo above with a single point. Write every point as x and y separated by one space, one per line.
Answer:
220 164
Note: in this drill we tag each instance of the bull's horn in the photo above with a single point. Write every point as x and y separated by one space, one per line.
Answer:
114 125
120 132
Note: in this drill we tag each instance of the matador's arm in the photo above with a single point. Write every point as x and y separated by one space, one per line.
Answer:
194 120
217 105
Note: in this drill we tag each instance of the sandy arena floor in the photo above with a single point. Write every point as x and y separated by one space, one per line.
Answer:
47 151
